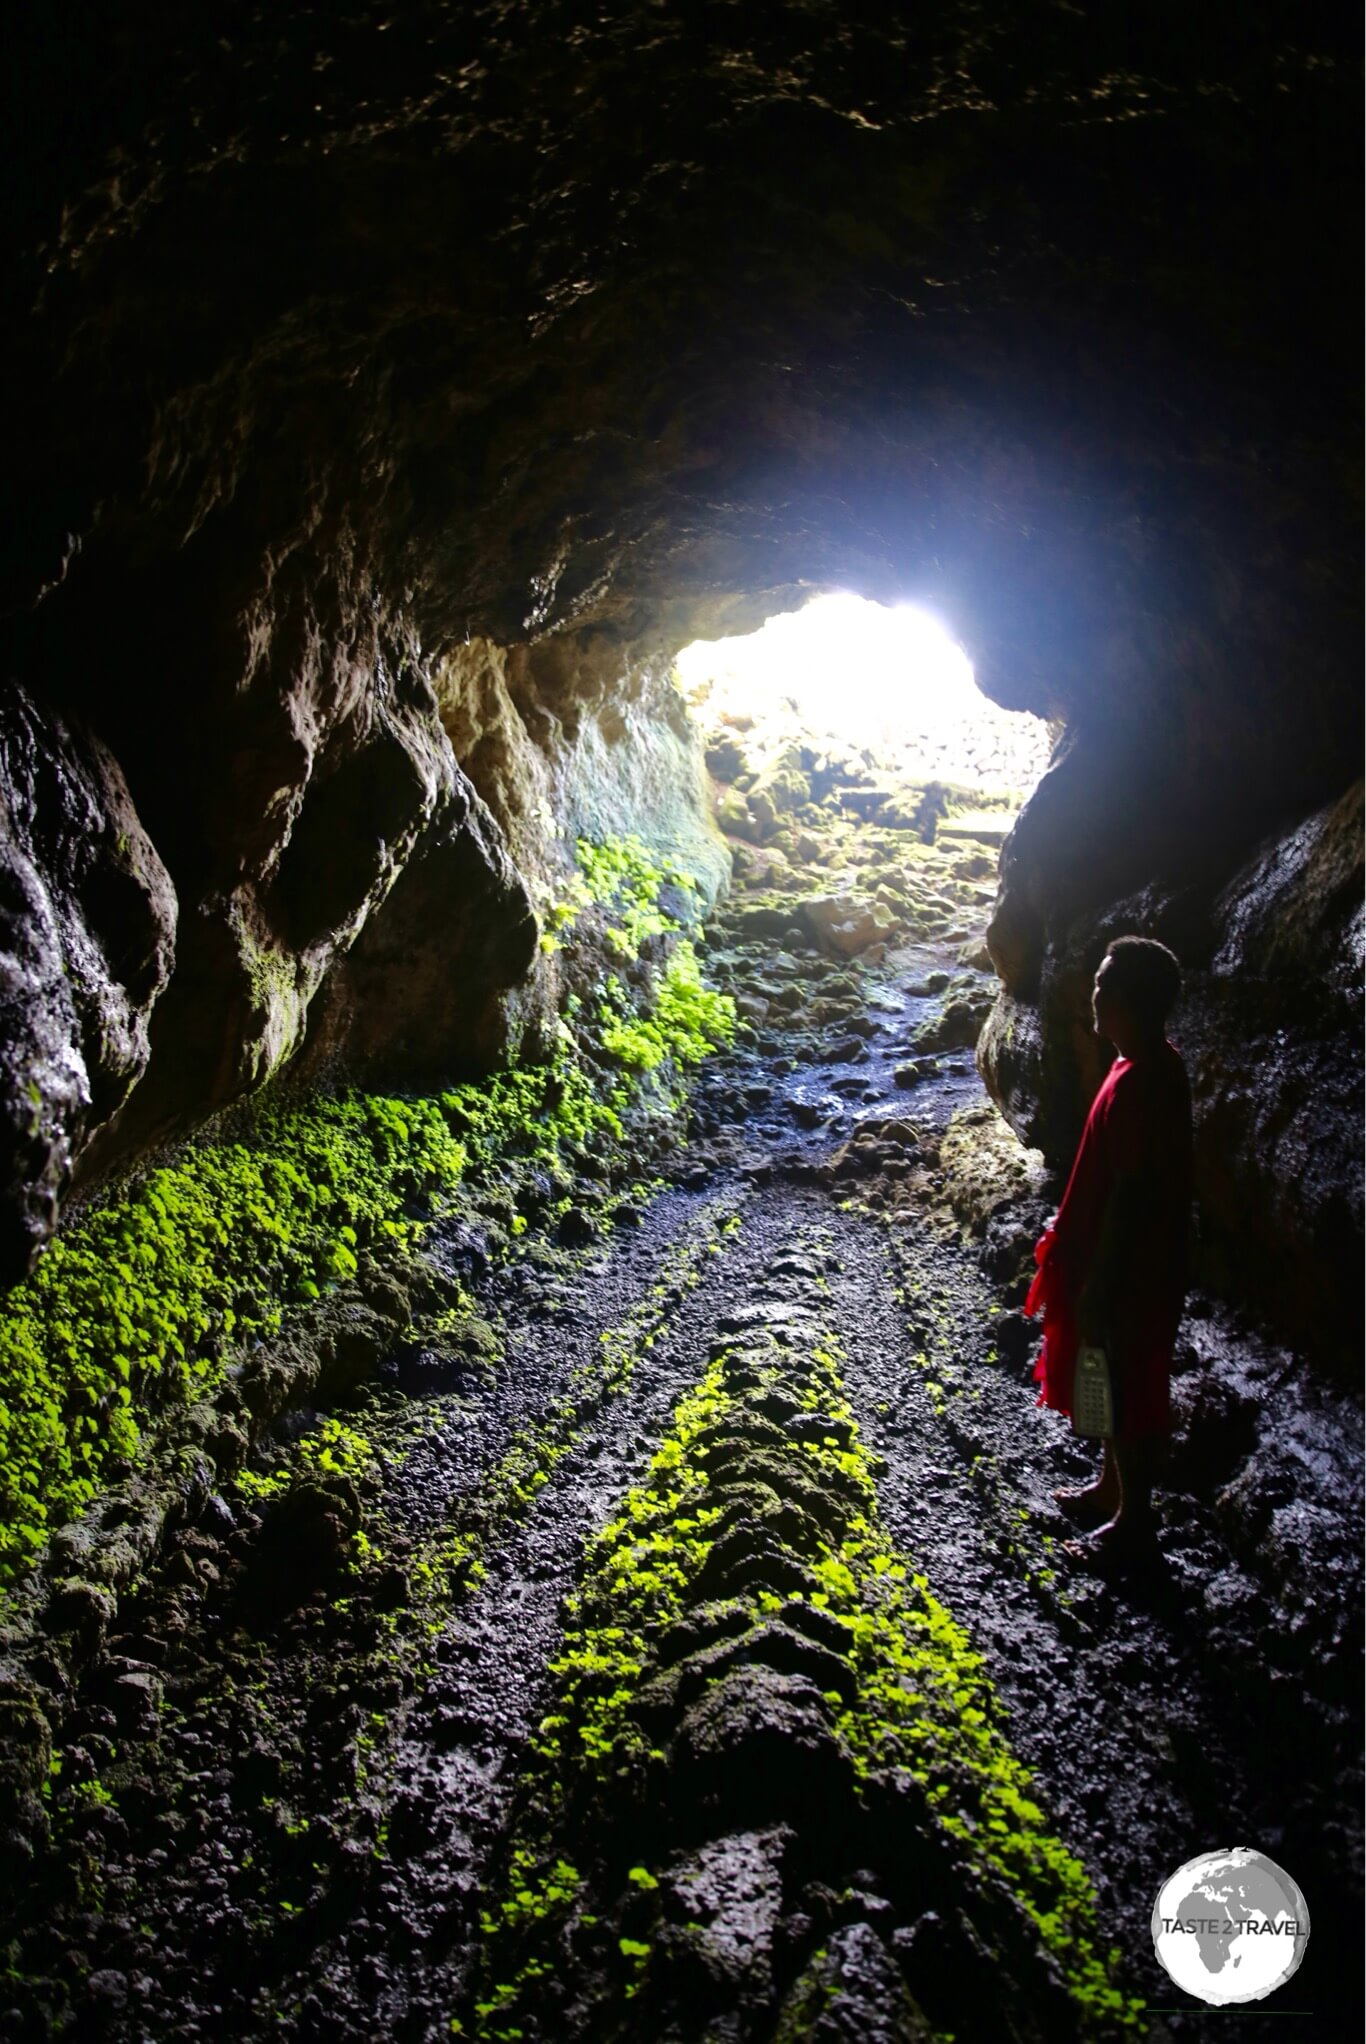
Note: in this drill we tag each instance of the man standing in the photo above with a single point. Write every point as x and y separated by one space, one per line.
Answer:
1112 1263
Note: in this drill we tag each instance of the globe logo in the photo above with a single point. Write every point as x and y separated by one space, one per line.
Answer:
1230 1926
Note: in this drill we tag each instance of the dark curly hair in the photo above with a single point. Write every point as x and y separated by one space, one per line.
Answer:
1146 976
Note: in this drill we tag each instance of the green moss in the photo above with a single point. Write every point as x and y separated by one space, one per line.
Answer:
621 876
140 1303
686 1022
639 1567
924 1706
332 1449
143 1301
453 1561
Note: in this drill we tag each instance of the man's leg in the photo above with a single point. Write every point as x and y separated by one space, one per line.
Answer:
1095 1502
1128 1532
1140 1372
1137 1461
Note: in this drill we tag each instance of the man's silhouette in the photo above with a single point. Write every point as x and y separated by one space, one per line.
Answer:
1112 1264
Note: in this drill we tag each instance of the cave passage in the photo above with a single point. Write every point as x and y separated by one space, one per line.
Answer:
604 613
654 1620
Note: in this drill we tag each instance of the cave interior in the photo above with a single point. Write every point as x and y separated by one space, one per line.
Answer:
464 1096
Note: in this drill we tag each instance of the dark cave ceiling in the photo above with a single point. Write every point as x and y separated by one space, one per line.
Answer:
551 315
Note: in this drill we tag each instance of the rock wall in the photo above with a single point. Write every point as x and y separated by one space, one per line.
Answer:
575 736
1270 1023
349 906
87 940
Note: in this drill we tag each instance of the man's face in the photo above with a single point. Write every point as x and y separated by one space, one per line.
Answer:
1104 1002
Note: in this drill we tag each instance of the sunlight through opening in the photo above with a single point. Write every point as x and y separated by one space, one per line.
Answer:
885 680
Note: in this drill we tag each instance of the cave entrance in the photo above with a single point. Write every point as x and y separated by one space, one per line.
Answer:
848 685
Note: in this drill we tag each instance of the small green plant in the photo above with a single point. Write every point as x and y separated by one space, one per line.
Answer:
332 1449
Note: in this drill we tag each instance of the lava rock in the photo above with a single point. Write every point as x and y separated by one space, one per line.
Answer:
88 918
758 1748
578 1228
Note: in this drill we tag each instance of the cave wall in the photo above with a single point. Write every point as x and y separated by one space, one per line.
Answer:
87 942
389 393
1270 1022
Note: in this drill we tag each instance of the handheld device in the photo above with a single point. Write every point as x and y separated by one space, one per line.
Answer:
1093 1404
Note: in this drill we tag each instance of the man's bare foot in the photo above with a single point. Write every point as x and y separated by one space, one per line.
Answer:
1089 1507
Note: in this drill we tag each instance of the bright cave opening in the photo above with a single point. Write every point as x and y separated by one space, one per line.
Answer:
844 683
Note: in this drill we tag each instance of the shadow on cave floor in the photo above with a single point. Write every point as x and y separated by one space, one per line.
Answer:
562 1759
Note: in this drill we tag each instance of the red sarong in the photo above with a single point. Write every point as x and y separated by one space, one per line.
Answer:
1139 1120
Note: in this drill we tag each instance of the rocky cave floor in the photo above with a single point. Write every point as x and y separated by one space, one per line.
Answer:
293 1779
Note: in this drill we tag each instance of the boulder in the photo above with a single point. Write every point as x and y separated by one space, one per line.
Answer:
733 815
726 757
419 997
846 924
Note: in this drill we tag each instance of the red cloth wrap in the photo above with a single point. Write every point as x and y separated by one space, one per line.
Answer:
1140 1120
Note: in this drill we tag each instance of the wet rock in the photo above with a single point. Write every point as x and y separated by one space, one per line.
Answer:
259 1773
707 1621
733 815
661 1702
135 1697
1007 1251
852 1993
845 1050
713 1953
88 919
958 1027
85 1608
757 1748
846 924
941 1955
764 813
305 1542
812 1113
1214 1430
107 1990
784 787
985 1169
25 1757
725 757
455 932
747 1557
759 920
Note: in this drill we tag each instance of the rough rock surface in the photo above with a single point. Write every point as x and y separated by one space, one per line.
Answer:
456 933
87 936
